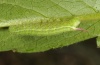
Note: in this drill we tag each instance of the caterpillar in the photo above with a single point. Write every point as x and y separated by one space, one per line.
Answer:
43 26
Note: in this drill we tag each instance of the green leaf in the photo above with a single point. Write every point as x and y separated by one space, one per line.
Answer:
14 11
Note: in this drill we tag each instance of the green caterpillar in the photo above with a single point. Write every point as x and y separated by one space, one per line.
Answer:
45 26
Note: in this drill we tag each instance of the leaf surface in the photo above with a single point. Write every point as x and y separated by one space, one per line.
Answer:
11 10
